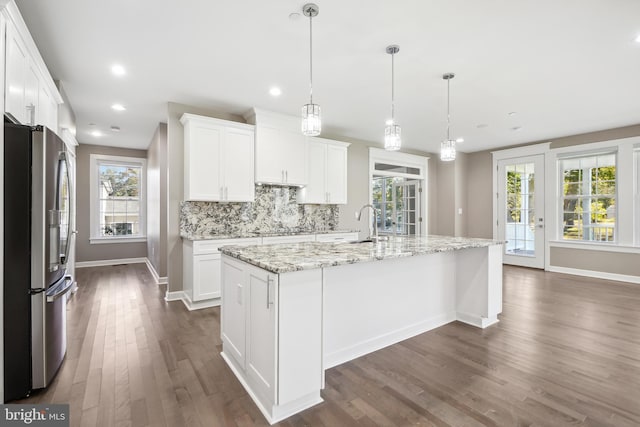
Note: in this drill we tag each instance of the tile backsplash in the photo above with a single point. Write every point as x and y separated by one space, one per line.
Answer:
274 210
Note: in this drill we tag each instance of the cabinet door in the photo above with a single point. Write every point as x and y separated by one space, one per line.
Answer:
261 333
269 155
234 292
33 115
294 152
315 190
237 165
16 70
202 159
206 277
336 174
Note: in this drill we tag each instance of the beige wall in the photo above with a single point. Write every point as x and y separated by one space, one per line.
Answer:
445 199
479 217
602 261
106 251
157 201
460 196
175 179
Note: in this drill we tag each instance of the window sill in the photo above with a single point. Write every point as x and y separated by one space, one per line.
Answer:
595 246
109 240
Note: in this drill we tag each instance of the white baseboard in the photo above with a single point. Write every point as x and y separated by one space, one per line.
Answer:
365 347
174 296
159 280
190 305
596 274
198 305
477 321
105 262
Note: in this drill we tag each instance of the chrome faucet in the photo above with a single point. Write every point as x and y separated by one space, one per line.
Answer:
375 236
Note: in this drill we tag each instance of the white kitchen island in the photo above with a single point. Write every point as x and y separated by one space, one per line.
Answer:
291 311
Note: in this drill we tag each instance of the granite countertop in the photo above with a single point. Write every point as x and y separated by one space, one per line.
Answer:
285 258
241 235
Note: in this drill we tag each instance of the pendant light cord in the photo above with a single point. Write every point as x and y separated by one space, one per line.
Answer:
393 104
448 106
311 58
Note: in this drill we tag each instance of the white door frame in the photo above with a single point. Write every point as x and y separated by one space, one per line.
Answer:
514 153
378 155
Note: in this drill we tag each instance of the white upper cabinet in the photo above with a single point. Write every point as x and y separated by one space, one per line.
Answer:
281 149
327 167
218 160
31 96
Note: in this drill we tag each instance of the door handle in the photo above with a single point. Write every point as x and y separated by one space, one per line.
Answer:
68 280
269 302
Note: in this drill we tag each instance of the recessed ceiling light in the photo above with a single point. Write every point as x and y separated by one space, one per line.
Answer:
294 16
96 133
275 91
459 140
92 124
118 107
115 128
118 70
638 39
516 128
482 125
512 113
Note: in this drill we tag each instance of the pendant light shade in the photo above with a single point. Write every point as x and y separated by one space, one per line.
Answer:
448 146
392 132
311 118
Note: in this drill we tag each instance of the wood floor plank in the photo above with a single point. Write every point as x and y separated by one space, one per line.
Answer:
566 352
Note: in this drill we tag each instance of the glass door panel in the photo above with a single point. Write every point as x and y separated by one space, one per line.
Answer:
521 210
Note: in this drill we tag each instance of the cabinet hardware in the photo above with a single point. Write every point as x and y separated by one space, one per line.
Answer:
221 193
226 193
286 176
269 292
282 172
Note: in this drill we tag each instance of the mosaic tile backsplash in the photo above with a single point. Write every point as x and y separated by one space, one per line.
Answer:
274 210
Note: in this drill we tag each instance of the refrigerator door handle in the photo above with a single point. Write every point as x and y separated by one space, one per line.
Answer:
68 284
54 239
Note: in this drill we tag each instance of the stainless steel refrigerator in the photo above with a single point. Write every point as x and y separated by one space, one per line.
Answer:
37 192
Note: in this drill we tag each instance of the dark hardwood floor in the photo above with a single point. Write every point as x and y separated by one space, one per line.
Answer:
566 352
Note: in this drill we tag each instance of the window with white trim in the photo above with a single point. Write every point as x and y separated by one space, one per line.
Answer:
588 197
117 199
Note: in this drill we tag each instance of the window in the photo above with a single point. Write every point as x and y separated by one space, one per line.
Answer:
117 199
589 197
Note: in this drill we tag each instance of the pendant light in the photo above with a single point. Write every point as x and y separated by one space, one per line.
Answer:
392 132
311 120
448 146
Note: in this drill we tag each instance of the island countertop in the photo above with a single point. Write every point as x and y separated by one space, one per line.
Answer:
285 258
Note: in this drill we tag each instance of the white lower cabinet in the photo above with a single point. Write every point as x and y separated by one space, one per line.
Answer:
201 263
275 350
233 330
261 333
337 237
201 270
288 239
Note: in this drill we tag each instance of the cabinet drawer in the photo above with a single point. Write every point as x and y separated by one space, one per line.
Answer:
337 237
201 247
288 239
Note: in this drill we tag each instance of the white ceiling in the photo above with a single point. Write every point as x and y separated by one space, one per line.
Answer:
566 67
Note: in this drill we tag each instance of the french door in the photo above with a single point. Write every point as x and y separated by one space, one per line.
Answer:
521 210
406 208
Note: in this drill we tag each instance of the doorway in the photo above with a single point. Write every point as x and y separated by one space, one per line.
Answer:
520 208
398 201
